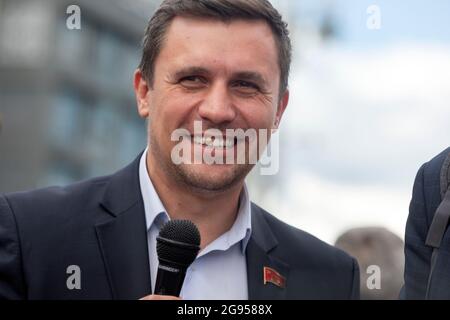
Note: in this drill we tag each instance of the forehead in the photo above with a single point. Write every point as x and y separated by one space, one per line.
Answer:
238 44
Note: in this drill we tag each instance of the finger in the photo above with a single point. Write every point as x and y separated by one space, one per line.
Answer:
159 297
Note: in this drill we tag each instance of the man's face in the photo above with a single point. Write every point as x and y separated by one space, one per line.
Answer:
225 75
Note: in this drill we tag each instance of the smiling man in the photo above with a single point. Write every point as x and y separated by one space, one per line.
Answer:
218 65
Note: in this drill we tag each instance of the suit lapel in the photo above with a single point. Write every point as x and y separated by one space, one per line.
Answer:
258 253
122 236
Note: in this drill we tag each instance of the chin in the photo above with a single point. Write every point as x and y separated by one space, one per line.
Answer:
212 178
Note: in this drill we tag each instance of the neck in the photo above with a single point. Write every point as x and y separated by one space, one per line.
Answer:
213 213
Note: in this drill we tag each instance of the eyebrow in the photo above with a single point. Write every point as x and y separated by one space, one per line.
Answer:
242 75
190 71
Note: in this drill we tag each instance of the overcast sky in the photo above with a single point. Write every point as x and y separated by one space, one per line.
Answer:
366 110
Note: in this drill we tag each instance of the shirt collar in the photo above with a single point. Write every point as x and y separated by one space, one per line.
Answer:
155 213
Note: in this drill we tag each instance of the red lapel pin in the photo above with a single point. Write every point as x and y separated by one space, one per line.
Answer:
270 275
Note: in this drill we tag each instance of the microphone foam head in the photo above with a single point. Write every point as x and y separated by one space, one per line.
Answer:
178 243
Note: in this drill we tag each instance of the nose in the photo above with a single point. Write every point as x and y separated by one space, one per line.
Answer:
218 107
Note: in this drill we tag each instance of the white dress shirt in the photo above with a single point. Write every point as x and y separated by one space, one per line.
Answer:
220 269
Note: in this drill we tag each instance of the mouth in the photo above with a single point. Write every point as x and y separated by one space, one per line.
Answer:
215 149
215 142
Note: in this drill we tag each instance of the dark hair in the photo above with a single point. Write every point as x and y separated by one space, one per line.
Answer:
225 10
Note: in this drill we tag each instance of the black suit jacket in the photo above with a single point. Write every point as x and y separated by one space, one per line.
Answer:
425 201
99 225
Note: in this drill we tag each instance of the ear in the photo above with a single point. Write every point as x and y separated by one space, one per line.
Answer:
141 90
282 105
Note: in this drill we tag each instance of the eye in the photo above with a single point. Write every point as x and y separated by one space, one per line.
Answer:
193 82
246 86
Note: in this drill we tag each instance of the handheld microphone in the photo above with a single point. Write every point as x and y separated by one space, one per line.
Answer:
177 245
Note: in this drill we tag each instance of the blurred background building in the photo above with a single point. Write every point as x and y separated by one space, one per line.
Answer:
67 102
367 106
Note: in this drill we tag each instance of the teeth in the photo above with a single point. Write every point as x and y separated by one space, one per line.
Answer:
215 143
198 140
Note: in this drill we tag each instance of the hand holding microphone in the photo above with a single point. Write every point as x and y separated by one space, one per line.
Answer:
177 246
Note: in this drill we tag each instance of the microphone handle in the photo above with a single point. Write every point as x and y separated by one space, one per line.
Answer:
169 280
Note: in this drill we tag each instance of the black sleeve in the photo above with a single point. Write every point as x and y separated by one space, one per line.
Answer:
12 285
417 254
354 295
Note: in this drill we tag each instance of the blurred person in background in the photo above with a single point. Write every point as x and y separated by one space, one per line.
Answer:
427 239
224 63
375 246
